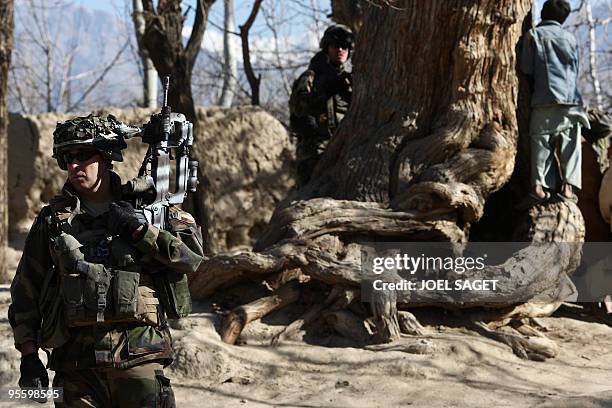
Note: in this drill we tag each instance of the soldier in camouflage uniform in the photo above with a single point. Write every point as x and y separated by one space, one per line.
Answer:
96 281
320 98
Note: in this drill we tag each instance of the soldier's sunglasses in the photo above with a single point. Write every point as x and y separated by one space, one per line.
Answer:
80 156
342 45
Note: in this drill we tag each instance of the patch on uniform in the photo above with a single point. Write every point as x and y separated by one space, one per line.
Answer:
186 217
180 215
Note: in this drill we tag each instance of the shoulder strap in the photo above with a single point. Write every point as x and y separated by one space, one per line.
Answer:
60 215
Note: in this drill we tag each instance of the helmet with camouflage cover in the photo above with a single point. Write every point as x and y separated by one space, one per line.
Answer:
337 34
93 131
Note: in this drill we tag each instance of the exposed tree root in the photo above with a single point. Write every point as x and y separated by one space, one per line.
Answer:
323 239
533 346
237 319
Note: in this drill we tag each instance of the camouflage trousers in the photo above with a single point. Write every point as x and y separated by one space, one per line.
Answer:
143 386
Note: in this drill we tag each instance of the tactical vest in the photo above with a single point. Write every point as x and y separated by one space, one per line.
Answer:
98 281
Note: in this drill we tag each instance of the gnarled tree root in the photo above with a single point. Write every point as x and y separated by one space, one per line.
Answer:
322 238
533 346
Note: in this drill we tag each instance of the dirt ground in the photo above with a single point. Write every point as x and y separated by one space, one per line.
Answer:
447 367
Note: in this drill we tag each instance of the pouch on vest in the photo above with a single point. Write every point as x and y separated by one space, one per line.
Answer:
125 294
53 331
85 294
148 306
173 292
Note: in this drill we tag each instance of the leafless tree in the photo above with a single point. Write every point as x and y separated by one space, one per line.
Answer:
6 46
163 39
593 66
149 79
230 65
43 75
254 80
590 23
276 48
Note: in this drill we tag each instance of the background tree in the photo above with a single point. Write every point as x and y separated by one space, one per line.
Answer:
149 77
163 40
280 45
6 45
593 66
349 13
254 81
52 69
230 64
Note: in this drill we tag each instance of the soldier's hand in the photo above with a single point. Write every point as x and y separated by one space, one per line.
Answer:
33 373
124 220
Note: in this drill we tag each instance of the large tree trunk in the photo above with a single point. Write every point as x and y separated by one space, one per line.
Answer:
431 133
446 122
6 46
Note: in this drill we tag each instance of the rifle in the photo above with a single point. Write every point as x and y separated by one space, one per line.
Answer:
170 137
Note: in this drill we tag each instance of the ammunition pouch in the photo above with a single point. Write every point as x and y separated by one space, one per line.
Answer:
173 291
97 295
91 294
53 331
85 294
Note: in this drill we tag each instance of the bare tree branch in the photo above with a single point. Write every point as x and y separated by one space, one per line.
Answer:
254 81
99 79
199 27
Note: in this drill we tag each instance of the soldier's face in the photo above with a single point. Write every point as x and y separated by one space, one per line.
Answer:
338 53
86 168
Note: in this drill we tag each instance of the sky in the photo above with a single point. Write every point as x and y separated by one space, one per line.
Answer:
243 7
110 5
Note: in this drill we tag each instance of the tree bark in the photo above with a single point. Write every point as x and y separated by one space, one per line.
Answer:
230 65
163 40
149 79
6 46
349 13
238 318
445 127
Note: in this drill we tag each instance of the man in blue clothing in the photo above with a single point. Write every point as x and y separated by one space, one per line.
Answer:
550 58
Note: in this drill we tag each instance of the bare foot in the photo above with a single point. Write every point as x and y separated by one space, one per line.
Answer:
607 304
539 192
567 190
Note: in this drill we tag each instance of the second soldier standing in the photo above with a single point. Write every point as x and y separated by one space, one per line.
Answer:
320 98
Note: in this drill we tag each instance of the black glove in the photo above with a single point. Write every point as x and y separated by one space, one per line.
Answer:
124 220
33 374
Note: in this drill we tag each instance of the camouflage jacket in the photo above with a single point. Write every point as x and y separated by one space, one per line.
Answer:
119 345
320 97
